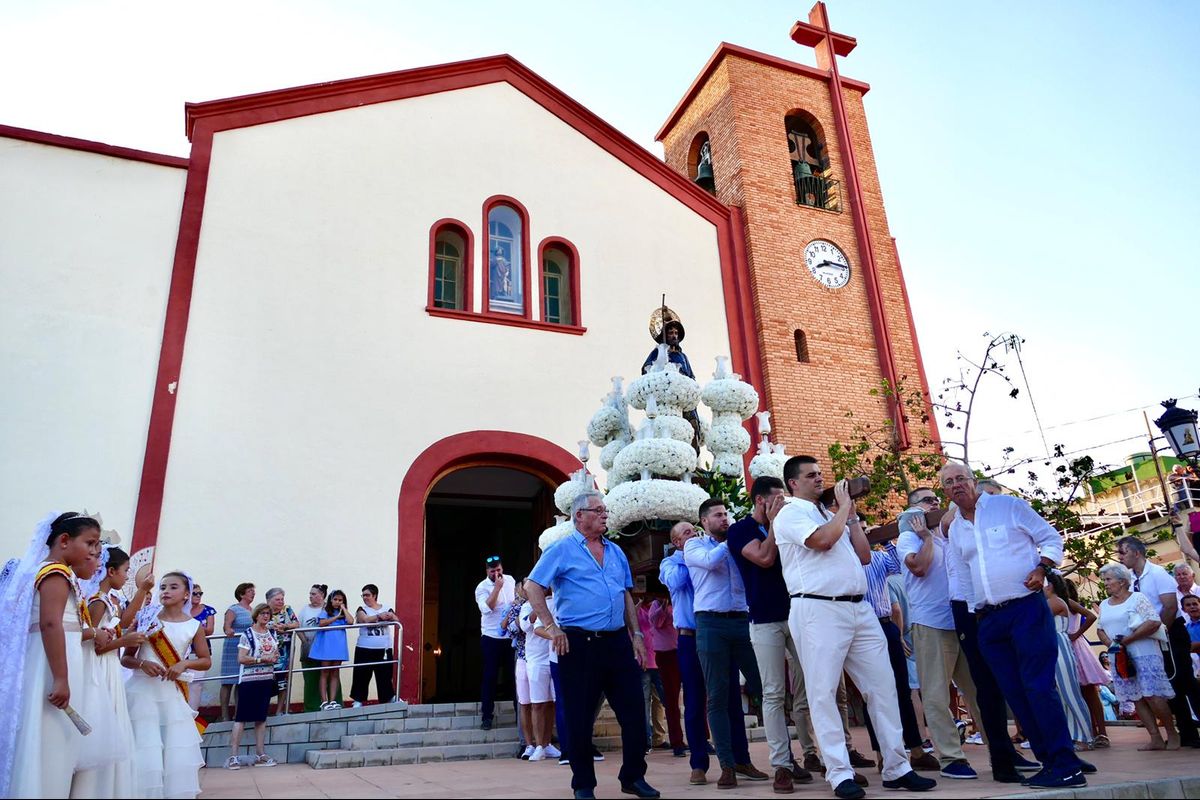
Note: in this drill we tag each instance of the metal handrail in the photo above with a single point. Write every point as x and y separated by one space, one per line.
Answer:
398 640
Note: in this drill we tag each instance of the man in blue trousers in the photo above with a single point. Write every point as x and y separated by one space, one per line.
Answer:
674 575
1008 549
594 630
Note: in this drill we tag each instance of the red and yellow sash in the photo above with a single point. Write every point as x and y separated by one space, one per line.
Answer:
170 657
56 568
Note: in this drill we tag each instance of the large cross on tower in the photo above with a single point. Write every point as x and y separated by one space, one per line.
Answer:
817 34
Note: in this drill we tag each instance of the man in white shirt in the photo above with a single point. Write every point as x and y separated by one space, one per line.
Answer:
935 642
493 596
1158 585
1185 584
834 629
1008 550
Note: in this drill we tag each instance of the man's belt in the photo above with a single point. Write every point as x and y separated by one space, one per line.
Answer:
592 634
984 610
686 631
841 598
728 614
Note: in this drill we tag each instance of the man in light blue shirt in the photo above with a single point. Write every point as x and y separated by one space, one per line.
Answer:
594 630
673 573
723 641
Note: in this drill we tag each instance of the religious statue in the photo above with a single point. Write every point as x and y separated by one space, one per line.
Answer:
667 327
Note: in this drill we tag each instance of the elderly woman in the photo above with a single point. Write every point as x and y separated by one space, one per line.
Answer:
283 622
1129 623
237 620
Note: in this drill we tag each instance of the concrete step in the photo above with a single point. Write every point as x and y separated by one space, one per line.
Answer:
448 738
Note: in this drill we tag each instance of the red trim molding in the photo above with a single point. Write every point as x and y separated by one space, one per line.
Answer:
511 320
932 427
170 358
486 261
468 257
88 146
727 49
520 451
575 301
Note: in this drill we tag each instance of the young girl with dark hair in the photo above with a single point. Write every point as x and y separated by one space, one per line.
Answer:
41 659
330 648
105 706
166 756
1066 673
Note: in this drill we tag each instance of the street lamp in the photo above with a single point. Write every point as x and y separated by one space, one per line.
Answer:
1179 426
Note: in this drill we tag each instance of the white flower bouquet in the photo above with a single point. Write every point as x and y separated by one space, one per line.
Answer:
728 463
669 457
727 436
554 534
769 464
565 494
730 396
637 501
671 427
675 393
607 424
609 454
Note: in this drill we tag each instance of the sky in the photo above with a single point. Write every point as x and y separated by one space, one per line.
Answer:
1036 157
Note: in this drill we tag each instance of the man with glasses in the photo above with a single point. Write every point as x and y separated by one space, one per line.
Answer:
1007 549
493 596
823 557
1158 585
935 643
594 630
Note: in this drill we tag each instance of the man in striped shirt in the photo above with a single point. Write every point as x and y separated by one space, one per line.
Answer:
885 561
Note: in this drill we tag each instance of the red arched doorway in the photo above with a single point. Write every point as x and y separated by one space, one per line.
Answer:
518 451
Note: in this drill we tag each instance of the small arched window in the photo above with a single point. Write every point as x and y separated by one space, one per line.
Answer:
700 166
450 246
507 250
801 346
809 156
556 285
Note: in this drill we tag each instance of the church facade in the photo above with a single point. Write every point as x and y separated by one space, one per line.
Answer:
338 344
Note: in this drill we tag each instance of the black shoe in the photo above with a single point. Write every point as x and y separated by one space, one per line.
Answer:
663 746
1025 765
849 790
486 725
912 782
1087 768
708 747
1049 780
596 754
1190 742
680 752
800 774
1034 777
640 788
1009 775
813 764
585 794
859 761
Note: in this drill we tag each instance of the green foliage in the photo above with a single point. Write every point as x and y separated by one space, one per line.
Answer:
731 491
873 451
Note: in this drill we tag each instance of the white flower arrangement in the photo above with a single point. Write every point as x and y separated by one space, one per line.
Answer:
727 463
637 501
768 464
727 437
607 424
671 427
555 534
565 494
730 396
669 457
675 393
609 454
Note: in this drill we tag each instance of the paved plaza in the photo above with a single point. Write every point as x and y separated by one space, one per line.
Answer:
512 778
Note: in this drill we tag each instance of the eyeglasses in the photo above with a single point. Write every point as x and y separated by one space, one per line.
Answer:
957 479
600 511
197 594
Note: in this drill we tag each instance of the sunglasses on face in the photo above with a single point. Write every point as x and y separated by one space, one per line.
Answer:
197 594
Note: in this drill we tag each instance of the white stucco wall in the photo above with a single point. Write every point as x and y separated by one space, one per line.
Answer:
86 244
312 375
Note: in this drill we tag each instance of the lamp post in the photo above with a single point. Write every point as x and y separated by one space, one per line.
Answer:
1178 425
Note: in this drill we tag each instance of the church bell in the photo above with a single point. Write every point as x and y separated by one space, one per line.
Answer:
704 177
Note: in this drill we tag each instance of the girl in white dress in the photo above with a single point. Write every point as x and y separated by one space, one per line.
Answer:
41 656
105 689
166 757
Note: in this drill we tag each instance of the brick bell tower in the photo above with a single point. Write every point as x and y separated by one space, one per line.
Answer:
789 144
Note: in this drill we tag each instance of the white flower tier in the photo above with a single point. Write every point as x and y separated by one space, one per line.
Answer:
665 457
730 395
674 393
636 501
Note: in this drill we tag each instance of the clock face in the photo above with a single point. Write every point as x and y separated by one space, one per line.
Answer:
827 263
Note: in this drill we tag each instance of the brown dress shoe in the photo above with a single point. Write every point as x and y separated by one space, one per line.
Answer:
925 762
698 778
859 761
728 779
861 779
750 772
800 774
813 764
783 781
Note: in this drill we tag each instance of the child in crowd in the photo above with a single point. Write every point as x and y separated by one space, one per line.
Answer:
41 658
309 615
105 707
329 648
166 757
1066 674
258 652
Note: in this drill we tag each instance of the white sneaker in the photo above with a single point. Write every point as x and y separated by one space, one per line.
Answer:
232 763
528 752
265 761
538 754
1025 745
553 752
975 738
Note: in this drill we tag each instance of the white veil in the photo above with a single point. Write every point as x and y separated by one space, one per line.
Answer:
16 597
